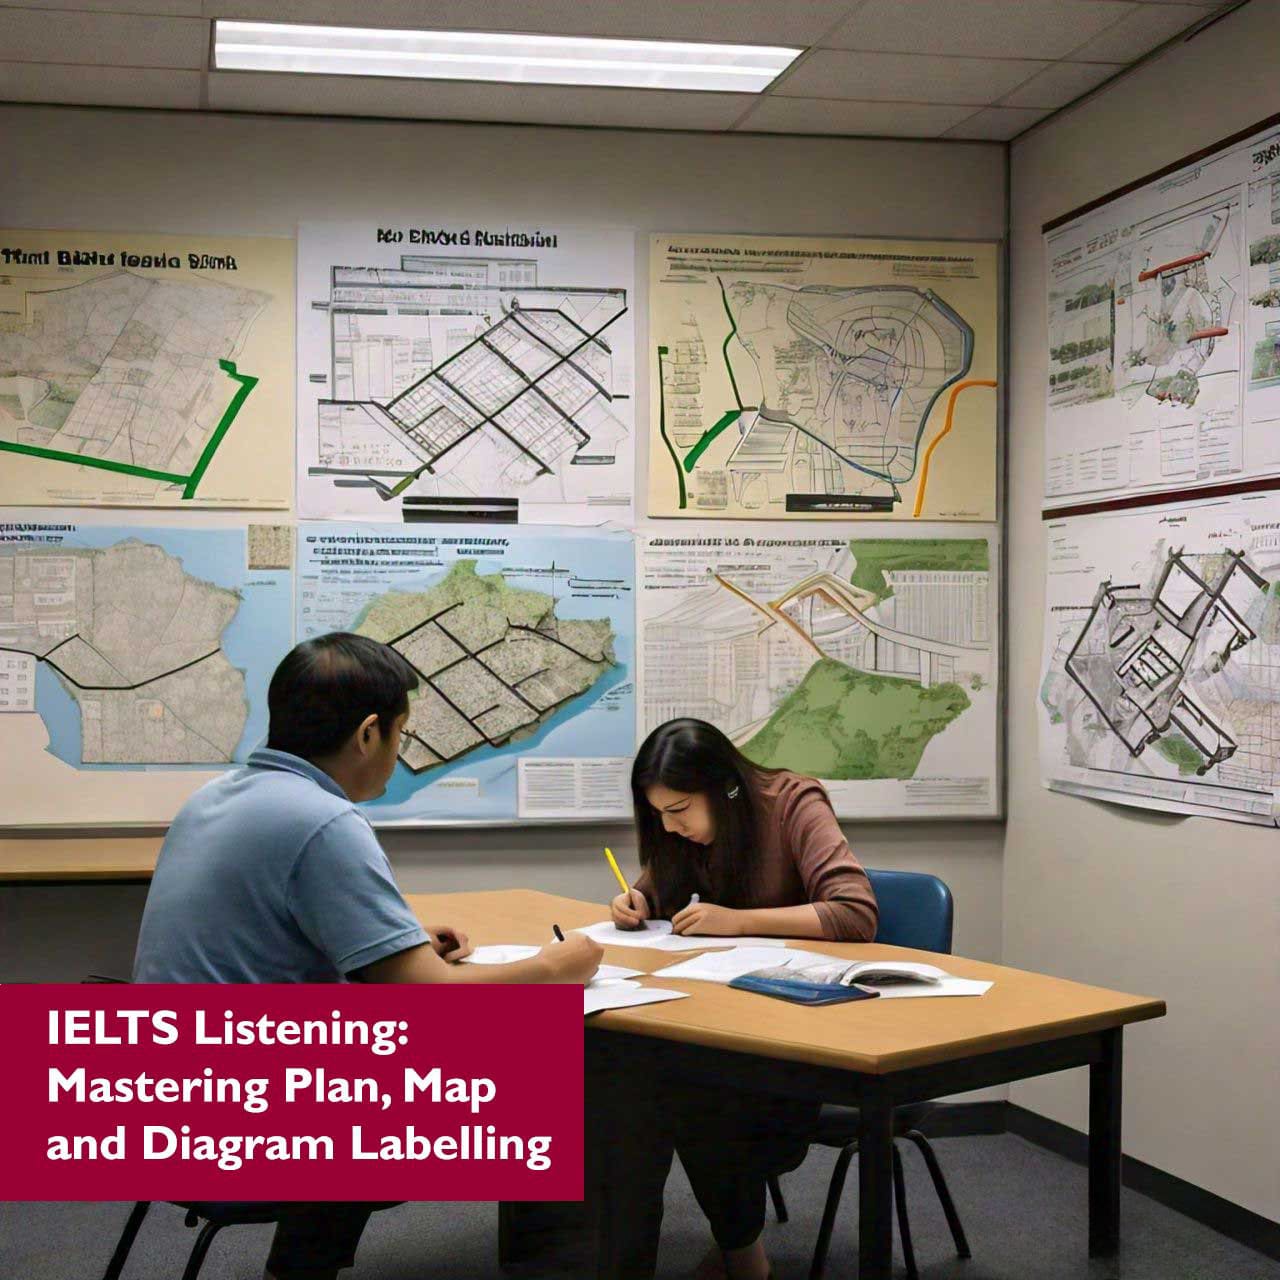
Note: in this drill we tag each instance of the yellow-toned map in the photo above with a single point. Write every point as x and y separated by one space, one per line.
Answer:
145 370
794 377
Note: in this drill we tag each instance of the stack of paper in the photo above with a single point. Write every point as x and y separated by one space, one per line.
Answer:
657 934
621 994
509 953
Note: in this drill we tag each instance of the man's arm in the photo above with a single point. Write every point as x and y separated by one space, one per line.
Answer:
574 960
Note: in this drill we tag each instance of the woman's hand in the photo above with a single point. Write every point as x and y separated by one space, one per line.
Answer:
449 943
707 918
630 910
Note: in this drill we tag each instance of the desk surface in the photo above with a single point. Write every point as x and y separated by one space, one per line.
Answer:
870 1036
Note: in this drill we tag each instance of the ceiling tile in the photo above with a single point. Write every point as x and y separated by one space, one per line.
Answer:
465 100
866 119
1060 83
996 124
905 77
798 22
980 28
177 8
99 86
103 39
1146 27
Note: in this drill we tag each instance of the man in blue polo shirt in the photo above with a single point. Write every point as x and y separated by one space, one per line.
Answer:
271 874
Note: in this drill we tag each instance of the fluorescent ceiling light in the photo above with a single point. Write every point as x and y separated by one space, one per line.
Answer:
483 55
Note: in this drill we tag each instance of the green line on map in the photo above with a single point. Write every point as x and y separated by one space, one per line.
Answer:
691 458
733 333
189 483
662 429
247 383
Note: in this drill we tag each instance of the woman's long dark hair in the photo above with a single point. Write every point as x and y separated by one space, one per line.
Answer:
695 757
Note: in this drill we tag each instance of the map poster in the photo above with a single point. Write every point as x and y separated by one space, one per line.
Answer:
145 370
523 643
869 660
134 662
1161 653
805 378
1163 356
476 370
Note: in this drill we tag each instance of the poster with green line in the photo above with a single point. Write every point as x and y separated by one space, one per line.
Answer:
802 378
868 659
145 370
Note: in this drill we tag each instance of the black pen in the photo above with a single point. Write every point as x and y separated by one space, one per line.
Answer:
555 928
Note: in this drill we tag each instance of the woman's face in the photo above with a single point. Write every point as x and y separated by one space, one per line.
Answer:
683 813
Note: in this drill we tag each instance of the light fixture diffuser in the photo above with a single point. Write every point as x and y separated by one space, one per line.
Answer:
485 55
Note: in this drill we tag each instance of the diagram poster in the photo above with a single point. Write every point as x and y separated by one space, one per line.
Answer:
145 370
523 645
134 662
474 370
867 659
810 378
1162 642
1164 334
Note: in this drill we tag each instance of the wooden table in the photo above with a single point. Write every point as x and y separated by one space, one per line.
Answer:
874 1055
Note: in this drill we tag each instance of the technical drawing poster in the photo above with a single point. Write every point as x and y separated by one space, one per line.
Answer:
1162 647
523 642
145 370
808 378
466 371
134 662
1164 333
869 660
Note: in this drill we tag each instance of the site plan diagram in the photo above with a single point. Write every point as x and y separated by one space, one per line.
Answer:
465 372
1164 334
813 378
145 370
1162 648
132 661
523 644
867 660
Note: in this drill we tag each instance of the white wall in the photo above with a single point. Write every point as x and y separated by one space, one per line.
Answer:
1187 909
153 171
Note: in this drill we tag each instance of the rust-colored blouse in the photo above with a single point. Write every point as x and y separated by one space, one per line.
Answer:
804 857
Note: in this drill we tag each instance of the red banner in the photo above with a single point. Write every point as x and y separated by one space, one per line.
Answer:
351 1092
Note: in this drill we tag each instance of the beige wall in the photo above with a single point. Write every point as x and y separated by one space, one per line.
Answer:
1182 908
172 172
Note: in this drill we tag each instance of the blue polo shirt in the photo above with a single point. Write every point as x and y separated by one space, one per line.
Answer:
270 874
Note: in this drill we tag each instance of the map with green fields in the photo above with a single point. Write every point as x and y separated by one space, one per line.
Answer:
869 663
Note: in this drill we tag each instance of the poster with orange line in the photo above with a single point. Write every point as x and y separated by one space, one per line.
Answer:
822 378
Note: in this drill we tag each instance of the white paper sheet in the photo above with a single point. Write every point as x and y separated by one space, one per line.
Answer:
621 994
657 935
509 953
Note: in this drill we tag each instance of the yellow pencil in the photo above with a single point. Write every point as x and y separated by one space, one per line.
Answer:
617 871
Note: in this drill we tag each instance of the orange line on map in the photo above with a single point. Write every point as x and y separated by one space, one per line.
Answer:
946 427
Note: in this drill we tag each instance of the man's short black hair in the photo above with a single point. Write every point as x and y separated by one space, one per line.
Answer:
325 687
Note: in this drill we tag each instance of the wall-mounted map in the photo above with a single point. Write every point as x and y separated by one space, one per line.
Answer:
809 378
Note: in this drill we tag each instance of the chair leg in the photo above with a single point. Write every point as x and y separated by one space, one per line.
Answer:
127 1237
775 1194
829 1212
944 1195
199 1249
904 1227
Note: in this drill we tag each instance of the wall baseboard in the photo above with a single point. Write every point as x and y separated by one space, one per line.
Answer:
961 1119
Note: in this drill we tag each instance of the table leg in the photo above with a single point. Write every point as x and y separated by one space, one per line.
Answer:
875 1189
1104 1146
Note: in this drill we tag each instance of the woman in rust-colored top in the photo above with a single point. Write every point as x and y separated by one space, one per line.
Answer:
729 848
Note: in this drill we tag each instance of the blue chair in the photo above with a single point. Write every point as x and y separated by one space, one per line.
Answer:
916 910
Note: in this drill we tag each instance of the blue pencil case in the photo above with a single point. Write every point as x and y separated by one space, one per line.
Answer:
800 992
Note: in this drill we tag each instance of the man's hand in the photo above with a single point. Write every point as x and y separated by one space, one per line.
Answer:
576 959
707 918
449 943
630 910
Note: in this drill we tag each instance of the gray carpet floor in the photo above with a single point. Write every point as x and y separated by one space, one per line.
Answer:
1023 1209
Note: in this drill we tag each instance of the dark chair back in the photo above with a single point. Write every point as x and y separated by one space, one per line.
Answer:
916 910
